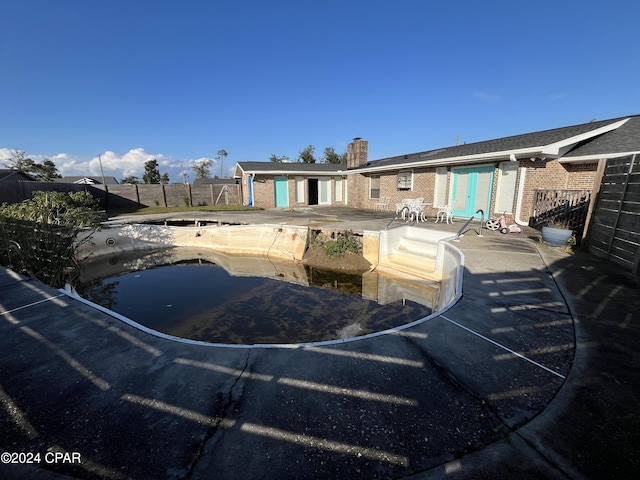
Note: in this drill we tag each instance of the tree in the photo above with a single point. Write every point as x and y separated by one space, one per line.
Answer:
202 169
276 159
330 156
130 180
46 171
164 178
20 162
222 154
306 155
151 172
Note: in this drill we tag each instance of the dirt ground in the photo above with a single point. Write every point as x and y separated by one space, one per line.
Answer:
348 262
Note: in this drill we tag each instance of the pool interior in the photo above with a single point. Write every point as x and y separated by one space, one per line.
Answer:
219 298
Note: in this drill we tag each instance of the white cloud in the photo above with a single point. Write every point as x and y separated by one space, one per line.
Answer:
120 166
131 163
5 155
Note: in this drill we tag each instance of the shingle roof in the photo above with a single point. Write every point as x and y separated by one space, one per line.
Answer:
523 142
277 167
109 180
625 139
14 175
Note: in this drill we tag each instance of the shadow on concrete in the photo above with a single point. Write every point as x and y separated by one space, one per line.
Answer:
533 374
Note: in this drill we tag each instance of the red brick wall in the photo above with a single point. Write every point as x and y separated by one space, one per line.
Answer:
551 175
423 186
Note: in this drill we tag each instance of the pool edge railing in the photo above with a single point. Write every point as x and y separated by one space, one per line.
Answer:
462 230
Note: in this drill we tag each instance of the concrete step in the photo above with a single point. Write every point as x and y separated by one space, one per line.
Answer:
418 247
409 262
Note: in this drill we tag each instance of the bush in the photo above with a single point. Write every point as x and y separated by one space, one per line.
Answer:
39 237
343 243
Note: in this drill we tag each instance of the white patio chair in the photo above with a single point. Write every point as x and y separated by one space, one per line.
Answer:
382 205
444 214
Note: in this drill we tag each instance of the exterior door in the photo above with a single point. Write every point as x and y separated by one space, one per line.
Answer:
282 191
472 190
324 191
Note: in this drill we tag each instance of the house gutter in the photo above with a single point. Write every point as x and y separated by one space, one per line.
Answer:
596 157
552 150
493 156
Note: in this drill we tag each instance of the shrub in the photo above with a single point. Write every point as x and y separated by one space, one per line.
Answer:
342 243
40 236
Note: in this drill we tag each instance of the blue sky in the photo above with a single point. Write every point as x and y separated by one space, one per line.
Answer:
179 80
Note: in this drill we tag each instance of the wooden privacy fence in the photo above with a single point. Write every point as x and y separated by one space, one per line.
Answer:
566 207
122 196
614 232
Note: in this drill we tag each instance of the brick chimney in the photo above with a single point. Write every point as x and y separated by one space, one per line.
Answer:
357 152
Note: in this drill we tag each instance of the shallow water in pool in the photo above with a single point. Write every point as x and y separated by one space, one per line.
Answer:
198 299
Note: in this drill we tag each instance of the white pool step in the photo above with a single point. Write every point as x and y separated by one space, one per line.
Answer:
410 255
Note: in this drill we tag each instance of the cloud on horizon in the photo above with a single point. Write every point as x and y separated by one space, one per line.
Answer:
116 165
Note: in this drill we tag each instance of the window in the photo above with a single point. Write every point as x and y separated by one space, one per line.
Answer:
440 191
374 186
506 187
405 180
338 189
299 189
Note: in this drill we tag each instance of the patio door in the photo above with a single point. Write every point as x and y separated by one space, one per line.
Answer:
472 190
282 191
324 191
320 191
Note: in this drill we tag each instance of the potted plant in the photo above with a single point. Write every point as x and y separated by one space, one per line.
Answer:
556 233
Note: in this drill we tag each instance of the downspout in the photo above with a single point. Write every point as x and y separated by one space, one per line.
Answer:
523 171
250 197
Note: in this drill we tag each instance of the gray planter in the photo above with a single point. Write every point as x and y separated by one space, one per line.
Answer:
556 237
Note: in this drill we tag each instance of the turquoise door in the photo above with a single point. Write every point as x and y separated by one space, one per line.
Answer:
472 190
282 191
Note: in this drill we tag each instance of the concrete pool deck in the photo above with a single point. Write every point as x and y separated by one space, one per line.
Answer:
532 374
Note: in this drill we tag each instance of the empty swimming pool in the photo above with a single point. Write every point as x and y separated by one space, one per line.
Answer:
218 298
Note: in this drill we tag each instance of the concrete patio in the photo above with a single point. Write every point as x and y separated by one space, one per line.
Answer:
532 374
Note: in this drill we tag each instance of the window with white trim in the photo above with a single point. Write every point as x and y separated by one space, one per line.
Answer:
338 189
299 189
374 186
405 180
506 192
440 190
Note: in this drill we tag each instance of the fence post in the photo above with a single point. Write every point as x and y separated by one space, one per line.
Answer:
597 184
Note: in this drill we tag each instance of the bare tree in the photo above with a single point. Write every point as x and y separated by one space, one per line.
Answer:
202 169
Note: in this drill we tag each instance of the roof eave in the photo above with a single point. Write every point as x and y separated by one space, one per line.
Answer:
596 157
484 157
563 146
283 171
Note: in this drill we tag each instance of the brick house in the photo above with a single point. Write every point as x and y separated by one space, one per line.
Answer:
501 175
291 185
